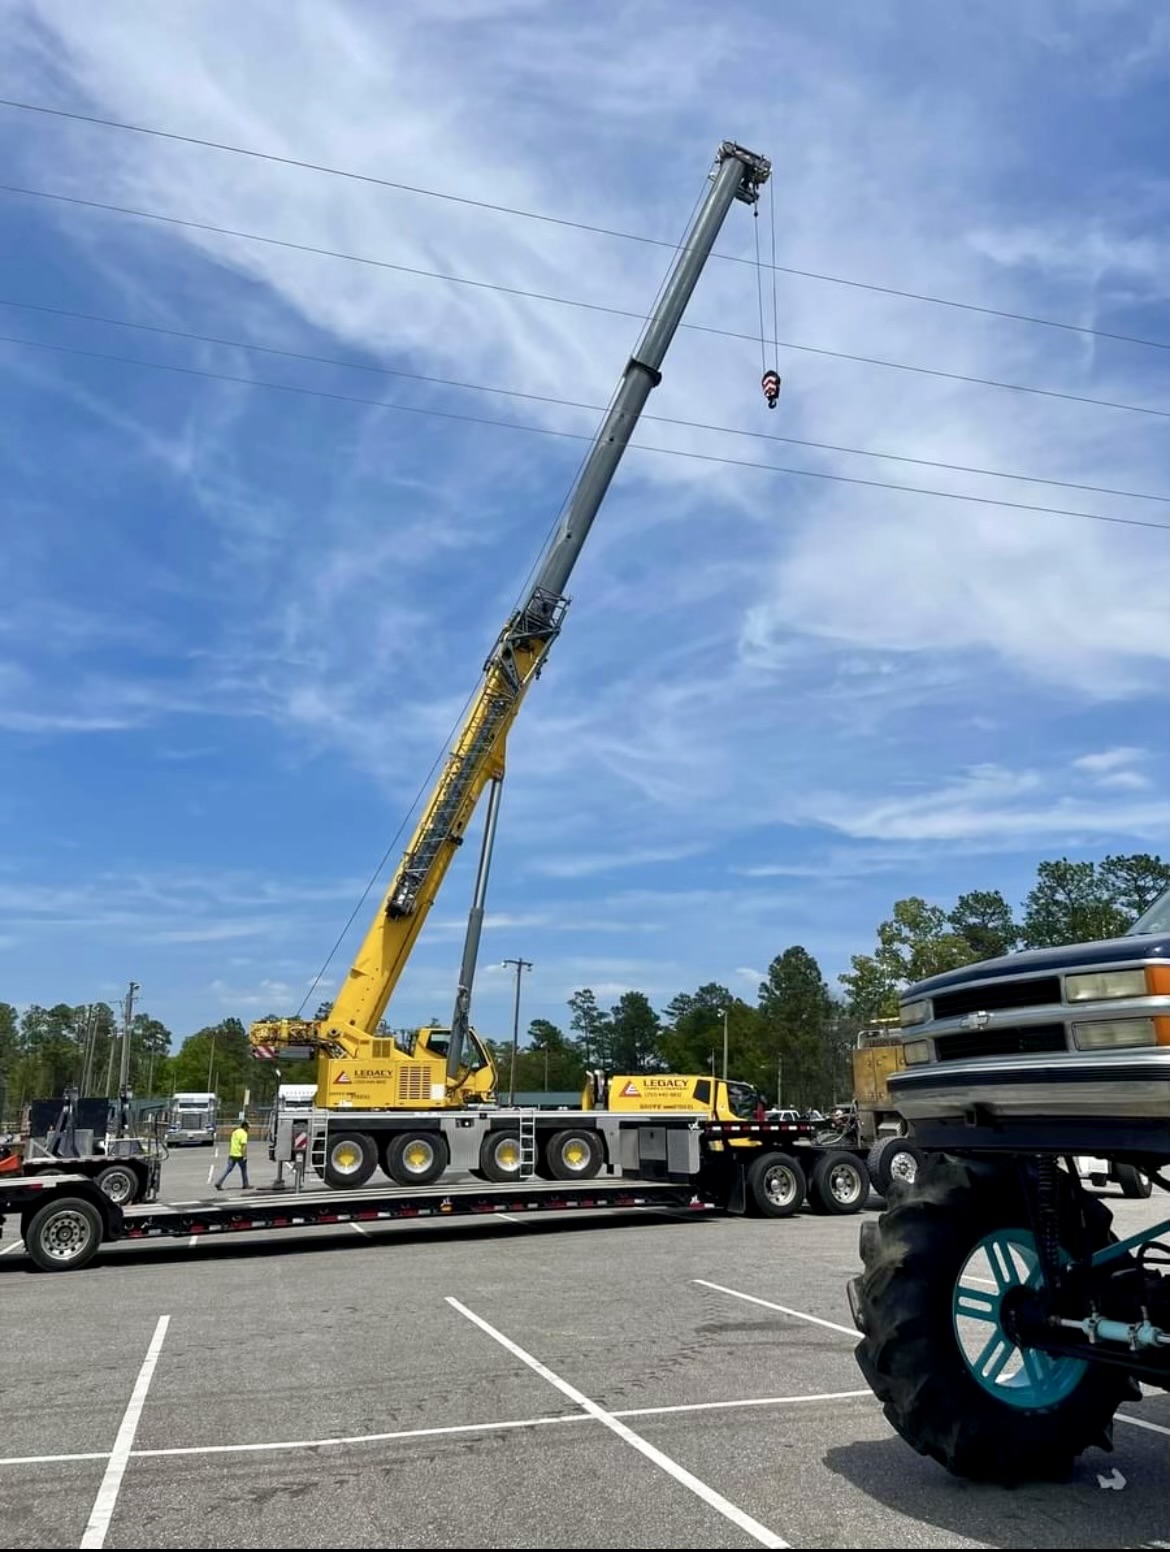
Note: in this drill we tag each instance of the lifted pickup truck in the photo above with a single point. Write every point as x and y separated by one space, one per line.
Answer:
1002 1321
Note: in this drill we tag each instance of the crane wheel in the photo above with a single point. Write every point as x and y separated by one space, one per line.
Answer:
416 1158
350 1159
500 1157
775 1185
573 1155
839 1184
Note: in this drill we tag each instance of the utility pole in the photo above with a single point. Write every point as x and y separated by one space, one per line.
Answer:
124 1070
724 1012
779 1082
87 1048
521 966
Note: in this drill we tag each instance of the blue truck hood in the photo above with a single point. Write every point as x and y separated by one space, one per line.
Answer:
1037 961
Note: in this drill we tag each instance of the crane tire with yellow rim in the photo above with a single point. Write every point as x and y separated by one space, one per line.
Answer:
573 1155
500 1157
416 1158
350 1159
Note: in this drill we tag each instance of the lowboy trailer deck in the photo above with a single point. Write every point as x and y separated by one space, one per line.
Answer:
768 1169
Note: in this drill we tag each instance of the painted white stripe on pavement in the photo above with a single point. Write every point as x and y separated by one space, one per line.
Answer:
1140 1422
428 1433
107 1497
8 1249
750 1298
701 1490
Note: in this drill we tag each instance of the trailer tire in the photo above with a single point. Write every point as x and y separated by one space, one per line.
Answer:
350 1159
1132 1182
839 1184
120 1183
63 1235
500 1157
573 1155
416 1158
776 1185
908 1304
893 1165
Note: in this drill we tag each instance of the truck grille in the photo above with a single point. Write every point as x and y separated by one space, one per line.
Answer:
1000 1042
1033 993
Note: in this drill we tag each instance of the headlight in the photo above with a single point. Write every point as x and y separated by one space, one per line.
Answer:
1105 1034
1104 984
915 1052
914 1013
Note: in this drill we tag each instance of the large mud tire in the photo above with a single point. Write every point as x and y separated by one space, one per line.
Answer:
911 1354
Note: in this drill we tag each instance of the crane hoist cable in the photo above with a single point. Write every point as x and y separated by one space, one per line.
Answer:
770 381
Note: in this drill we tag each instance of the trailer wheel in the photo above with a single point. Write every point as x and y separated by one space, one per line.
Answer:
63 1235
350 1159
120 1183
416 1158
1132 1182
839 1184
937 1350
893 1165
573 1155
500 1157
775 1185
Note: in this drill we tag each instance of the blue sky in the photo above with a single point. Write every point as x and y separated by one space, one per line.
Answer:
239 624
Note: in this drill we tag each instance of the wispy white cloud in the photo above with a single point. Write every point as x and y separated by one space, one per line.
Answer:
1109 761
995 803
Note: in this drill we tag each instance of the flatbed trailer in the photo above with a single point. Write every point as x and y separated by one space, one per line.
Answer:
706 1166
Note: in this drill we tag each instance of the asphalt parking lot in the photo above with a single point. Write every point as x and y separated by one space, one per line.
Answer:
612 1382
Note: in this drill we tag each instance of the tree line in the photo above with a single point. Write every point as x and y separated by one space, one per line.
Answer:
792 1042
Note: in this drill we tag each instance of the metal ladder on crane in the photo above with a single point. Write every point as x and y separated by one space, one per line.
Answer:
527 1144
312 1155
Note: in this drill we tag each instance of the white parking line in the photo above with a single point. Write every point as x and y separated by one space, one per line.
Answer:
750 1298
359 1228
193 1241
701 1490
428 1433
107 1497
17 1244
1140 1422
760 1401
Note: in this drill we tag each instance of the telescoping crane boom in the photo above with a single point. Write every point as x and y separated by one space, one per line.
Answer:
358 1066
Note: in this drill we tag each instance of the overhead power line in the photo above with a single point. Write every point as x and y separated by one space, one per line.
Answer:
580 226
562 301
572 404
577 436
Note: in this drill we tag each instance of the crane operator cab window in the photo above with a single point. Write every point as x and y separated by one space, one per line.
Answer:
474 1056
744 1100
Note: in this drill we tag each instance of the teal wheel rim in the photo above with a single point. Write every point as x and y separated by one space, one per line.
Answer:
1021 1377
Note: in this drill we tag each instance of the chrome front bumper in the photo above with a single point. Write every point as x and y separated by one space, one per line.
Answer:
1117 1101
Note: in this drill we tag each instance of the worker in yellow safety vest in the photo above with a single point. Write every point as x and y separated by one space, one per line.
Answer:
237 1156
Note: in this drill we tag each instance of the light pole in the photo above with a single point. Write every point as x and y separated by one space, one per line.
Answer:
521 966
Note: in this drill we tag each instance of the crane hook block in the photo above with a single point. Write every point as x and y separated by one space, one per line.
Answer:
770 382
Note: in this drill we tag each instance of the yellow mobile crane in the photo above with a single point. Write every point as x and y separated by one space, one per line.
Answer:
360 1068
